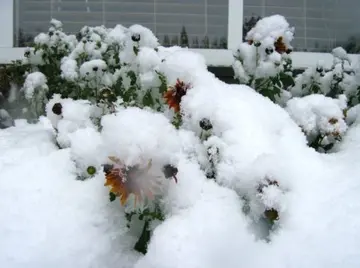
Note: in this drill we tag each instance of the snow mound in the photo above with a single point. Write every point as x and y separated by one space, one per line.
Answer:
50 219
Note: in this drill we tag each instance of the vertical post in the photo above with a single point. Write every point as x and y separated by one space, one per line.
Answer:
206 18
235 26
305 24
7 22
155 20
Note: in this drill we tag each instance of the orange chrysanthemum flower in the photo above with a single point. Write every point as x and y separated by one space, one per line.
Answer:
124 181
174 95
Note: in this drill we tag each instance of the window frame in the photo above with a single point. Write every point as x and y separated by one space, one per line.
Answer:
213 57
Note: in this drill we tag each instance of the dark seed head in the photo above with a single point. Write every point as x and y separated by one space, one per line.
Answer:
57 108
205 124
269 51
319 69
135 37
211 174
288 51
84 41
95 68
107 168
51 33
257 43
169 171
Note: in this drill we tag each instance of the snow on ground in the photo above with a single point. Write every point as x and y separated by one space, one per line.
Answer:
49 219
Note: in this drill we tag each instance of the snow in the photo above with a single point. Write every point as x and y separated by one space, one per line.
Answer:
56 220
35 83
55 214
269 29
319 115
50 219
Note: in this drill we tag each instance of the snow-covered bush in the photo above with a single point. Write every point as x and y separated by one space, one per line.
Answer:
101 65
342 78
255 64
154 124
315 89
263 61
321 118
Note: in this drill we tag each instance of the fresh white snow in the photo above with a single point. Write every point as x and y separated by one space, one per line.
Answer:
50 219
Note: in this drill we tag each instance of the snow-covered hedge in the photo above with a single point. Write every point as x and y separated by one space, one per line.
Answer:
264 63
171 141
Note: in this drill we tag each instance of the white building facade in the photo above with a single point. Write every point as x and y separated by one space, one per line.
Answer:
213 27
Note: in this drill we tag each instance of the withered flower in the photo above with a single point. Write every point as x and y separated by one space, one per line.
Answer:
280 46
175 93
126 180
333 120
57 108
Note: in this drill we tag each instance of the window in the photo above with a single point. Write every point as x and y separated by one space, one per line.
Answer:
320 25
192 23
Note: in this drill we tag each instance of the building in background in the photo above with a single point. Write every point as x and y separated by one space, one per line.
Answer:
212 27
191 23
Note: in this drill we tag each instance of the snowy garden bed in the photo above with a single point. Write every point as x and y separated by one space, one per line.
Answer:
134 155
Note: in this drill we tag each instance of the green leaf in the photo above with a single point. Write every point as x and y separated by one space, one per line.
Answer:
287 80
136 50
112 196
142 244
148 99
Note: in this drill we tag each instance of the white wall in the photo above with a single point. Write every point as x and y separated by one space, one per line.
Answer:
6 23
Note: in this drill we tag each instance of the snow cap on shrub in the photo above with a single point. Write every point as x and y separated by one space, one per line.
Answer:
133 134
35 83
270 30
317 114
68 115
86 151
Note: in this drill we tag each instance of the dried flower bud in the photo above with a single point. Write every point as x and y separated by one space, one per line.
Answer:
135 37
91 170
57 108
170 171
205 124
333 121
257 44
107 168
271 214
269 51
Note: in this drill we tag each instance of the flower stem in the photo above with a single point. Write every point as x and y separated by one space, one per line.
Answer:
142 243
